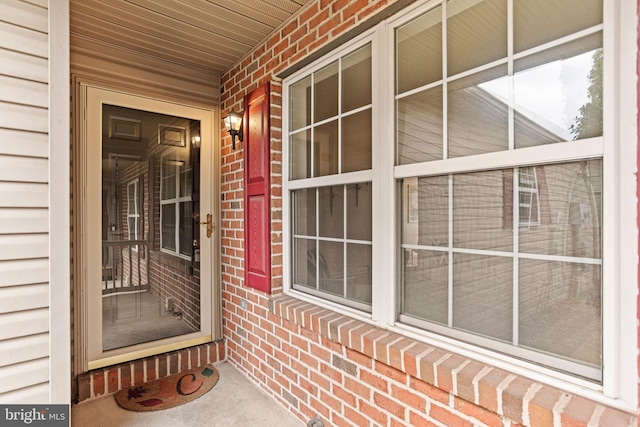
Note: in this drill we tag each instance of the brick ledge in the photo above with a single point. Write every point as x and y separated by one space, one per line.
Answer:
518 398
108 380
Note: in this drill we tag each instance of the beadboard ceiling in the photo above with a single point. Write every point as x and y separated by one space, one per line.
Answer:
210 35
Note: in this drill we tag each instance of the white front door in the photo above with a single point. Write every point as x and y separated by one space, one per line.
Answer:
148 227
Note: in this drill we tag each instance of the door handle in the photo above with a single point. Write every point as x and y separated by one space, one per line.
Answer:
209 223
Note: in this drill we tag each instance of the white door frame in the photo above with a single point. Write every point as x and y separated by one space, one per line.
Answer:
90 170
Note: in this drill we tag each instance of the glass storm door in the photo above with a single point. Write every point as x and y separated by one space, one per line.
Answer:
149 227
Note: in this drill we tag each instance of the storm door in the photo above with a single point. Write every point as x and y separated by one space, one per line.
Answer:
149 227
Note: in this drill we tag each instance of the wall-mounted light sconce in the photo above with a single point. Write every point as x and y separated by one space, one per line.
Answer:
233 124
195 142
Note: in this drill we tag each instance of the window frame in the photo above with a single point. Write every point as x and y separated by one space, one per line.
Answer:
339 179
176 201
136 215
617 148
533 194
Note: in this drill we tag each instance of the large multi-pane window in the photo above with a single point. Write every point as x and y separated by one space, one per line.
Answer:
330 180
493 255
133 216
175 204
468 154
132 209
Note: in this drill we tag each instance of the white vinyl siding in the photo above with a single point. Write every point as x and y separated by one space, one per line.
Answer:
24 203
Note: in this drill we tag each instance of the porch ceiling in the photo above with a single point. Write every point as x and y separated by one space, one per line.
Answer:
210 35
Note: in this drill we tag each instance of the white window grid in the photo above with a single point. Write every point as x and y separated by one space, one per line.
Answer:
620 231
170 167
316 238
340 179
132 214
529 197
511 158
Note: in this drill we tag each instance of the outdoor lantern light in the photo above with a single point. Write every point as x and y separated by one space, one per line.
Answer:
233 123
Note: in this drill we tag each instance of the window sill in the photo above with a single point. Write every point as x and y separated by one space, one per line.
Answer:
499 391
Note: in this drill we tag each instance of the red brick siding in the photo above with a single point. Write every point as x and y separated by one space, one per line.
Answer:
108 380
315 362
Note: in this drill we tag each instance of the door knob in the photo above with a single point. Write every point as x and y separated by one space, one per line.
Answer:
209 223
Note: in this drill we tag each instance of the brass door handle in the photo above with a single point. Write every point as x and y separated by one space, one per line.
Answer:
209 223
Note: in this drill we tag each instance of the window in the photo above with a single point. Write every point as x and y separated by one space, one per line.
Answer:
330 172
532 290
132 211
529 196
496 203
175 205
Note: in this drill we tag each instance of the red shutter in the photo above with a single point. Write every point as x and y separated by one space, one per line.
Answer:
257 183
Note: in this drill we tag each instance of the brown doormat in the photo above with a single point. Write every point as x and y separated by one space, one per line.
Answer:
170 391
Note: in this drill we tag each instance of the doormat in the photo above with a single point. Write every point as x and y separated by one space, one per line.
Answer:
170 391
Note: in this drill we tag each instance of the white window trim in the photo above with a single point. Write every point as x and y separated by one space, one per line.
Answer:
338 179
135 215
174 201
533 193
620 231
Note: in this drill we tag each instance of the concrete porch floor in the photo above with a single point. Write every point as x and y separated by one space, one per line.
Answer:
233 402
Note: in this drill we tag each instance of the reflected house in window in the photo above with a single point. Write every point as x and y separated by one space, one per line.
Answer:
529 232
148 233
554 208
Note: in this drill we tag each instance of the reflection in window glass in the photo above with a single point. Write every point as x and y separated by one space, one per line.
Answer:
176 187
330 265
132 210
304 207
419 127
560 309
325 93
570 205
325 142
557 210
478 120
558 94
479 205
356 79
485 306
529 196
356 142
476 33
305 262
331 211
169 227
541 21
359 272
425 292
185 232
327 262
186 180
300 103
426 211
300 156
168 180
359 211
553 95
419 51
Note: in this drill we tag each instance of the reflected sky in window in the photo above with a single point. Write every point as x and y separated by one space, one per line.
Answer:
550 94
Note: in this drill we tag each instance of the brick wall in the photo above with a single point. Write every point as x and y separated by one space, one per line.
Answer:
317 362
102 382
170 276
